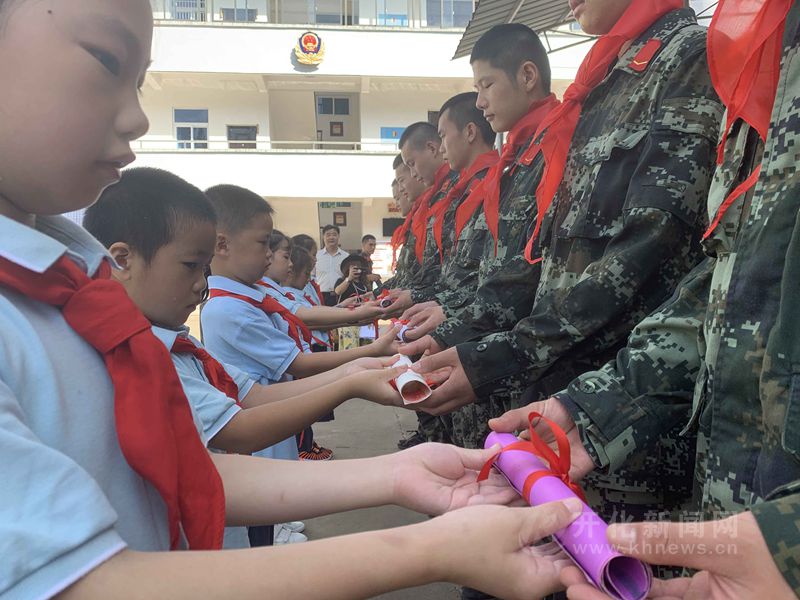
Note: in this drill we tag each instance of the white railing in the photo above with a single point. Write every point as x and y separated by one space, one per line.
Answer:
262 146
413 14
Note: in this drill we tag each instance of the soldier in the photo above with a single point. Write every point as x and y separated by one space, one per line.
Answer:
622 229
720 358
408 190
420 147
467 140
512 74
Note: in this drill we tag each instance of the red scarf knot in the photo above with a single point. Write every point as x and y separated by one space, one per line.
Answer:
559 463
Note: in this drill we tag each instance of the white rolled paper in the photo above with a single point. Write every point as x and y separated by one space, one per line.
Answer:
411 385
385 303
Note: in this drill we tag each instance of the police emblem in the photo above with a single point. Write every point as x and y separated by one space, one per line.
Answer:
309 49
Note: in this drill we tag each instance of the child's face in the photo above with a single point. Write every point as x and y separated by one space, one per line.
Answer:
503 101
281 265
247 252
70 74
171 286
299 280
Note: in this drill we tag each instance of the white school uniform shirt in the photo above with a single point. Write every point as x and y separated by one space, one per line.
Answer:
245 336
329 268
277 292
213 408
70 501
302 297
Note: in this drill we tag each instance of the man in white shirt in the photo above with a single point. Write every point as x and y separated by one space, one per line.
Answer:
329 262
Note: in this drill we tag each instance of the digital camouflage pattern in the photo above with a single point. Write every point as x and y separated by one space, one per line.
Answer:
625 224
506 284
423 283
735 355
459 276
406 267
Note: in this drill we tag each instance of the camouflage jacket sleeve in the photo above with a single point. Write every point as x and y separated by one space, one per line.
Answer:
626 406
779 521
500 301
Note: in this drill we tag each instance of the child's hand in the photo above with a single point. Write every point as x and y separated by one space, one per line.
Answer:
435 478
367 363
375 384
367 313
387 344
490 548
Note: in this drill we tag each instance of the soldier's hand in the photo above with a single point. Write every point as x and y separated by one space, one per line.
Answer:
517 420
453 393
401 301
731 555
424 322
417 308
425 345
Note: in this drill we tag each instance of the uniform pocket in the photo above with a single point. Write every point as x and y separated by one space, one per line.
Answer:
605 167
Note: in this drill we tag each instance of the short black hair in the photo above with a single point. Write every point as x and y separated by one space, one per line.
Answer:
304 241
145 210
463 111
301 259
277 238
328 227
398 160
236 207
367 237
509 45
418 134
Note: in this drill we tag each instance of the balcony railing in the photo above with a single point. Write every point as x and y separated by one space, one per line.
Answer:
415 14
263 146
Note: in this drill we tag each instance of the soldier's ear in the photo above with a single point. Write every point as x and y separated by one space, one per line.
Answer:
471 132
528 76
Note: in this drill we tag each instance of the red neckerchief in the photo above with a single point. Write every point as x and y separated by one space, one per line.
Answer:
466 180
419 223
487 194
291 297
216 373
317 289
298 330
745 43
154 423
559 125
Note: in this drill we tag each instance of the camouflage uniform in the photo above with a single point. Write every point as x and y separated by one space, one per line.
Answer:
423 286
624 226
723 354
506 283
459 276
406 267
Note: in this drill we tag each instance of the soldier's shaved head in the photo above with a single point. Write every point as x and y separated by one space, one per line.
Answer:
509 46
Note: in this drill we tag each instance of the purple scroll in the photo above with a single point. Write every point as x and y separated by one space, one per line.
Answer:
584 539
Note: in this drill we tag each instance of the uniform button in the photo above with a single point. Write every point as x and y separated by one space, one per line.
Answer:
482 347
588 386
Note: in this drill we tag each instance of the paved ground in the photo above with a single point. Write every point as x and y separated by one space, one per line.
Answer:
364 429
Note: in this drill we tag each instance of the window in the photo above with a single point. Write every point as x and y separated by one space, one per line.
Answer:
191 128
341 106
239 15
324 106
242 137
189 10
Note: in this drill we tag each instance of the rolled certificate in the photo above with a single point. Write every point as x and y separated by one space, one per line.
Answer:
411 385
584 539
385 302
401 335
